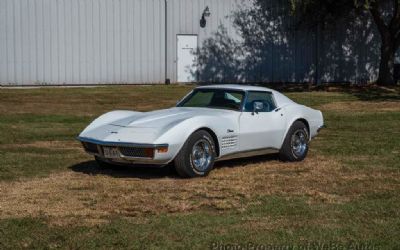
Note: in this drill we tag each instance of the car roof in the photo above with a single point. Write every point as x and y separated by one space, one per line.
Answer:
236 87
280 99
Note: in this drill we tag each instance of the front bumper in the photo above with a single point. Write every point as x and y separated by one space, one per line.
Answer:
320 127
128 153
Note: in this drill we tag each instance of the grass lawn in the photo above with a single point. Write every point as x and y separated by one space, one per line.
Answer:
52 195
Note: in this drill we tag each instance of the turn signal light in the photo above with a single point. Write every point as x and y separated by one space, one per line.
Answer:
162 150
149 152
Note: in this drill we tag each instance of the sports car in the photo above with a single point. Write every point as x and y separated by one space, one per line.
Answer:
211 123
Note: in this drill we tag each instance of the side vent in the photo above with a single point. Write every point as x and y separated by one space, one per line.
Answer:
229 142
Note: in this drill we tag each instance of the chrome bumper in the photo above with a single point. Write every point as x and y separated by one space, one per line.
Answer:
120 144
97 150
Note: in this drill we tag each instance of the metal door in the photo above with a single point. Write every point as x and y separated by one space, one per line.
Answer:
186 61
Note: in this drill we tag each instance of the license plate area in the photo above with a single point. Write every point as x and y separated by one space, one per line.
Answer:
111 152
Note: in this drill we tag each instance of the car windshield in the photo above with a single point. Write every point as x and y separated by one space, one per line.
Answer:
214 98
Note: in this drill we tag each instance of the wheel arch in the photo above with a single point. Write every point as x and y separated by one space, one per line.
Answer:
305 123
214 137
290 124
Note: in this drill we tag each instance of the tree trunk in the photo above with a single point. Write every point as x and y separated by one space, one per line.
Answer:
386 67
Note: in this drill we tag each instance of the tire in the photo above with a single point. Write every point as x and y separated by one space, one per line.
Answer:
197 156
295 145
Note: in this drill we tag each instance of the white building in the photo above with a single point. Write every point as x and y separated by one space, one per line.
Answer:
56 42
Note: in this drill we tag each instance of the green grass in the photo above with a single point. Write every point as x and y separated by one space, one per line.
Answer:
38 127
294 223
362 139
59 114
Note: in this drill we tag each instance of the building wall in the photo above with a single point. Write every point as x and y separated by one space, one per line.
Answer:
184 18
124 41
81 41
97 41
273 49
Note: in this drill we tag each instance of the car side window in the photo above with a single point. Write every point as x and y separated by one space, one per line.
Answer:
258 96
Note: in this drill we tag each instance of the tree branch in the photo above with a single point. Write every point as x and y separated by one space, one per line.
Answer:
374 10
395 22
397 42
395 9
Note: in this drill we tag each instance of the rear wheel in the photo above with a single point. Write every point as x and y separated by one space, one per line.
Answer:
197 155
295 146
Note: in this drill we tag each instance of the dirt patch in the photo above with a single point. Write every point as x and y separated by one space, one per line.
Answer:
77 197
89 102
45 145
359 106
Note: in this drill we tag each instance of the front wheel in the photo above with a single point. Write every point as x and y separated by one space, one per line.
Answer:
197 155
295 146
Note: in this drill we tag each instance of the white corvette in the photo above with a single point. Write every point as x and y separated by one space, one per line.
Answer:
211 123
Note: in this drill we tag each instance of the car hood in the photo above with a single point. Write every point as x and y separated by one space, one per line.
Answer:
162 118
146 127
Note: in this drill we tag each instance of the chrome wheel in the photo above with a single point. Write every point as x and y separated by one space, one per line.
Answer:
201 155
299 142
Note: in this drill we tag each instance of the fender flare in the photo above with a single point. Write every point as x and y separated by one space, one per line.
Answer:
210 131
290 124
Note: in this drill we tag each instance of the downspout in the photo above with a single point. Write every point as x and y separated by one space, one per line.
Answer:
167 81
317 52
317 40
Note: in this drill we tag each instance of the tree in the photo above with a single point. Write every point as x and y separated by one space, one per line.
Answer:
385 13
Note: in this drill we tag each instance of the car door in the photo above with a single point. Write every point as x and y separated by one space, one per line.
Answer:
264 128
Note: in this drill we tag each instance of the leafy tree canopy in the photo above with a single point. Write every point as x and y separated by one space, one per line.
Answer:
385 13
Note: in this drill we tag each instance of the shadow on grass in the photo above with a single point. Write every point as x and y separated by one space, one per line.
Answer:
374 93
243 162
154 172
142 172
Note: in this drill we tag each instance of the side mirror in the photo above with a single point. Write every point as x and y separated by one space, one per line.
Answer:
258 106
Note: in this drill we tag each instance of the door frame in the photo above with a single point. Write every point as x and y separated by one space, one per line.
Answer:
244 113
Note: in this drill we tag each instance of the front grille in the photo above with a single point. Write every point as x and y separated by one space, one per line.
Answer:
90 147
137 152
